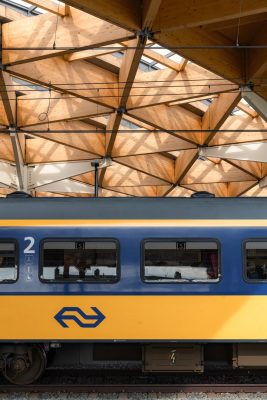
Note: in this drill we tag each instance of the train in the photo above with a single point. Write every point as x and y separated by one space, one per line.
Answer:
164 285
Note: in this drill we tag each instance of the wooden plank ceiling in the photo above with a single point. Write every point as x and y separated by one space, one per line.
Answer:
156 87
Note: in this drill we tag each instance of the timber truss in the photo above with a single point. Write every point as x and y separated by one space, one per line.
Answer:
169 97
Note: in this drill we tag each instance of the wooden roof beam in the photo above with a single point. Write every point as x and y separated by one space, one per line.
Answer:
159 58
192 14
155 165
43 150
85 54
170 119
50 6
205 50
127 74
205 171
7 14
71 134
237 189
212 119
47 35
150 10
165 86
256 59
183 64
195 100
119 12
101 88
138 142
218 112
248 110
119 174
8 95
33 110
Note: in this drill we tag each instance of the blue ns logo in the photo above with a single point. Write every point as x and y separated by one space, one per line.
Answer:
78 316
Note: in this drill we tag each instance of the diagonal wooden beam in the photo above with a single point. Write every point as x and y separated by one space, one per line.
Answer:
150 9
35 110
122 175
48 35
218 112
86 54
44 150
72 78
127 74
208 172
237 189
256 58
159 58
50 6
8 96
68 135
120 12
7 14
193 14
165 86
171 119
138 142
155 165
242 129
206 51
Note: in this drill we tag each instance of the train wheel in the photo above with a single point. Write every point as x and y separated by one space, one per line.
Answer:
25 368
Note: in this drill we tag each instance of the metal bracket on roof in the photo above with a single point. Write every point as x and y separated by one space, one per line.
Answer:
21 169
248 86
201 153
121 110
257 102
145 34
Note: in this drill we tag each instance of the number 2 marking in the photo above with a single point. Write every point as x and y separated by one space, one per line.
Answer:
28 249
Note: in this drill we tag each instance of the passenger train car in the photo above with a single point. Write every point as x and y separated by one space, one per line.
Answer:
164 284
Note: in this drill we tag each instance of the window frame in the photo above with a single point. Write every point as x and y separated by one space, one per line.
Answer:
78 239
244 259
182 239
17 259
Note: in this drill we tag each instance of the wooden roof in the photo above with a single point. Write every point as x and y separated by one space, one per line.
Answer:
170 97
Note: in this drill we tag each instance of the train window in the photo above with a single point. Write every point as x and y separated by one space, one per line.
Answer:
256 260
79 260
181 261
8 265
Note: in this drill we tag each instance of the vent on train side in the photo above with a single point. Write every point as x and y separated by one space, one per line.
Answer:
19 194
202 194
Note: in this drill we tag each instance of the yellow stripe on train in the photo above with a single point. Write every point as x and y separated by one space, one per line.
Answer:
135 317
135 222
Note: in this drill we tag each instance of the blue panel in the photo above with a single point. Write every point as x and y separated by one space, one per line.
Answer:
130 239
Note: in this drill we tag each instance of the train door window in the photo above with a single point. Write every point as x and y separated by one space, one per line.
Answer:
181 261
79 261
8 264
256 260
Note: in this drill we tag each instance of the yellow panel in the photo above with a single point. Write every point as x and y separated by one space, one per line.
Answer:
136 222
137 317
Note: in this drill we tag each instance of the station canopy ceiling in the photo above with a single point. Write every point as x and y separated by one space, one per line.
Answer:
170 97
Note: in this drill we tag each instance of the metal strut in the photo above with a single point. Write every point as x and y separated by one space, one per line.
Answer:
145 34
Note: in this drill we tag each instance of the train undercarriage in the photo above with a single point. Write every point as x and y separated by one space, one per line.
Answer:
24 363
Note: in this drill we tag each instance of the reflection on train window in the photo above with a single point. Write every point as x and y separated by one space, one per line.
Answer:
8 266
81 261
181 261
256 260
